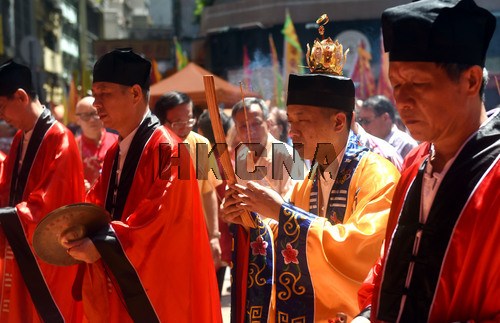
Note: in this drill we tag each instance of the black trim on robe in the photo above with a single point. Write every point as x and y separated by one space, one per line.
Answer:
137 145
138 305
14 231
464 175
19 178
135 297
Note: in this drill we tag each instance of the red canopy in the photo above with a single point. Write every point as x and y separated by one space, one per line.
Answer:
190 81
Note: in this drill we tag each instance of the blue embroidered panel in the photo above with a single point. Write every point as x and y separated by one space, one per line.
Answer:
294 292
260 272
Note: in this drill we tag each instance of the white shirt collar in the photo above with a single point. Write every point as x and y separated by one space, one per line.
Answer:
333 168
125 143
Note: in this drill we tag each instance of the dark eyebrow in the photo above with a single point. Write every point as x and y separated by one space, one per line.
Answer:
298 114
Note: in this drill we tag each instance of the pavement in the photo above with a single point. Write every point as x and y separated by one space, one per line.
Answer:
225 299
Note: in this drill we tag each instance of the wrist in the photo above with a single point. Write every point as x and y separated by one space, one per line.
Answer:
214 235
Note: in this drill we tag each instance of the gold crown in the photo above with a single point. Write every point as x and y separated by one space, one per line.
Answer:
326 56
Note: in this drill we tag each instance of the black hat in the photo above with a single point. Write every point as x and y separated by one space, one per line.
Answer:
123 66
14 76
441 31
321 90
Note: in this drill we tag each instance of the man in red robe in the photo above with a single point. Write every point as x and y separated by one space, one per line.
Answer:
153 262
440 262
42 172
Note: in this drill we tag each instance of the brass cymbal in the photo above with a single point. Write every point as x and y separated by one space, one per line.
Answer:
76 221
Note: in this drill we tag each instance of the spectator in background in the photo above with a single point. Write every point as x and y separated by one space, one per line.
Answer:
378 117
277 122
205 129
58 112
205 126
175 111
7 133
93 142
375 144
259 150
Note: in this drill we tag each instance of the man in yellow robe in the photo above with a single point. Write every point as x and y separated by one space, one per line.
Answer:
306 258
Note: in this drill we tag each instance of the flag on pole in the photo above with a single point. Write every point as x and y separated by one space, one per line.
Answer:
292 61
247 72
86 82
362 75
277 99
384 85
155 73
180 55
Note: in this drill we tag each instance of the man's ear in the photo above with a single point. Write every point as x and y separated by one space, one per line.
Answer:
472 80
339 121
137 93
22 96
386 116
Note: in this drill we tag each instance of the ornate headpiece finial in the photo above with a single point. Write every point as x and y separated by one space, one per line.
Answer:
326 56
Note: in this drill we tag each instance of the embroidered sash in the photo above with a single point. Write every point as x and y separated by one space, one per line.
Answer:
337 201
294 289
260 271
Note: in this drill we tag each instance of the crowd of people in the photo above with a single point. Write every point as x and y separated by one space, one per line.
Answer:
337 214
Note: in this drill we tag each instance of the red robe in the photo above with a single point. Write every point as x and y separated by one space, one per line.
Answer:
156 263
51 176
454 275
416 154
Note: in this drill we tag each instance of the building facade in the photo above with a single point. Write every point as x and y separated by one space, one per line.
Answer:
230 25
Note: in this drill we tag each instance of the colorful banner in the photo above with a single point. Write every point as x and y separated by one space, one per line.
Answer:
277 99
384 85
292 53
362 75
180 56
155 73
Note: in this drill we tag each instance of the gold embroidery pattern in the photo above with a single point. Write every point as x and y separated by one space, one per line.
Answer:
344 176
284 318
291 226
289 281
255 314
253 275
257 263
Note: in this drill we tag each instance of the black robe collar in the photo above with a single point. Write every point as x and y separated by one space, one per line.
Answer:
20 178
141 138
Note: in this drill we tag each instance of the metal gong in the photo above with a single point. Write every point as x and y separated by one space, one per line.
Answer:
74 222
